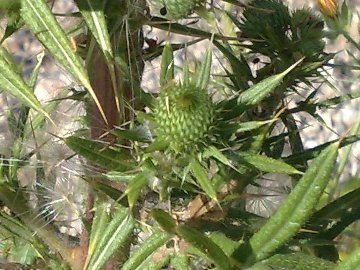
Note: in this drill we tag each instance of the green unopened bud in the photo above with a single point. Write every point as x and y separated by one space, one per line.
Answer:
184 115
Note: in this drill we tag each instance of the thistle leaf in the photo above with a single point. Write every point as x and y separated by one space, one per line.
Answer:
295 261
205 245
297 208
113 237
164 219
263 89
135 186
99 154
267 164
149 246
200 174
205 68
13 83
167 65
100 221
40 20
93 14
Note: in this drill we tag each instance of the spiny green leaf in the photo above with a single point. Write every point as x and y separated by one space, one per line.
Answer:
93 14
164 219
140 134
101 220
22 252
327 103
344 159
297 261
180 261
16 228
314 152
186 73
157 145
113 237
40 20
225 243
99 153
263 89
254 94
205 245
204 73
332 220
297 207
149 246
13 83
119 176
212 151
251 125
254 143
200 174
267 164
177 28
334 229
113 193
336 208
14 23
240 68
167 65
135 186
36 70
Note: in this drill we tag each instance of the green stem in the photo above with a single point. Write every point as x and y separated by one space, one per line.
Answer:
350 39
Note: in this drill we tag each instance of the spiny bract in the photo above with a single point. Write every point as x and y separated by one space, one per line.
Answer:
178 9
184 115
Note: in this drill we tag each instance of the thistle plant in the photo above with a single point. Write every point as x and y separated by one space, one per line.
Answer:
166 174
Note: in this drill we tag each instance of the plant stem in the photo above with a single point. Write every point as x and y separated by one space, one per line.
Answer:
351 40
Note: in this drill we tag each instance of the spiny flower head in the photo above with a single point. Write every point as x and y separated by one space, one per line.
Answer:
184 115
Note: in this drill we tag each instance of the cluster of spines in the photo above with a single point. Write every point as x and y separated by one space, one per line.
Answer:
184 115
